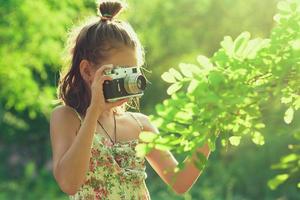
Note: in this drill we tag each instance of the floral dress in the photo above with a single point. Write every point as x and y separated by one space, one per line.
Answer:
115 172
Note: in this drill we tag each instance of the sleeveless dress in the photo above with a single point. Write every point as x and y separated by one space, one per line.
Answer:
115 172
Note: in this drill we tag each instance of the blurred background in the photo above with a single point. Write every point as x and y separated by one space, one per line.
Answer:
32 38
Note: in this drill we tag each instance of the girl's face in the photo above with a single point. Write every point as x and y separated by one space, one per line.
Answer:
124 56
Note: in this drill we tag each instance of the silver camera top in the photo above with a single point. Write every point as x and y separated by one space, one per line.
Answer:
121 71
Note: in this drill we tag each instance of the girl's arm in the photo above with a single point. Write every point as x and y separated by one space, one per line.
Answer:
164 163
71 153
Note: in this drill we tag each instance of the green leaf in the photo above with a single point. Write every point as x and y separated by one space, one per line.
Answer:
163 147
192 86
286 100
29 169
175 74
227 44
204 62
297 103
289 115
295 44
260 125
185 70
142 150
148 136
196 70
157 121
297 135
241 43
171 126
174 88
275 182
258 138
32 114
215 78
235 140
254 46
212 144
183 116
163 140
289 158
283 5
168 77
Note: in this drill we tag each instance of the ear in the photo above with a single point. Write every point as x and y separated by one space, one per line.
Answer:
86 71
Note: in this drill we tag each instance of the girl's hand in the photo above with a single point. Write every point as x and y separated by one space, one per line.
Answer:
97 100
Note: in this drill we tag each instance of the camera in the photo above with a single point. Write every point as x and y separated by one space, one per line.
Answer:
127 82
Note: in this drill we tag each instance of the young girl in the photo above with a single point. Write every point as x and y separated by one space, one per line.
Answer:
93 141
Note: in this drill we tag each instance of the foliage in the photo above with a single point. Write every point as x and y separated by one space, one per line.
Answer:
31 185
224 94
193 27
32 37
30 48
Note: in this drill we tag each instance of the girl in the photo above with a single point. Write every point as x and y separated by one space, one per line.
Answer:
93 141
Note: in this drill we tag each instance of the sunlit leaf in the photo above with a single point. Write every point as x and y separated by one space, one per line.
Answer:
185 70
235 140
228 45
147 136
192 86
174 88
241 42
297 103
215 78
283 5
277 180
163 147
175 74
168 77
289 115
258 138
30 169
212 144
289 158
184 116
204 62
142 150
254 46
260 125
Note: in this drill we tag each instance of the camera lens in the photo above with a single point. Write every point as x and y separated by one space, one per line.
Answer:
135 83
141 82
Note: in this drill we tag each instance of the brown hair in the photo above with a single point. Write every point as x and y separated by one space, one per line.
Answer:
92 41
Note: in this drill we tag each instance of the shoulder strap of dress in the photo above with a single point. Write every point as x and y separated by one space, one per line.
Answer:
137 120
78 115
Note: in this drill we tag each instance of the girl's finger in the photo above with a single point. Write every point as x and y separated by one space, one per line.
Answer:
104 78
100 71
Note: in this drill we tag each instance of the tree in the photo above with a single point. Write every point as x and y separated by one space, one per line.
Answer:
224 95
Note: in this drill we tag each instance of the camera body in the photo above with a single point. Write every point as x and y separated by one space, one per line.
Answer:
127 82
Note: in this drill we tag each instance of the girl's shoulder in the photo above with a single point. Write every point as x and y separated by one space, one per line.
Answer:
65 114
142 119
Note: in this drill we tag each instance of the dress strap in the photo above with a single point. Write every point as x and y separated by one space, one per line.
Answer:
78 115
137 120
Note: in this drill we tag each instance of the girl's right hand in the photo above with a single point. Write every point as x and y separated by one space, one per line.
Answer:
97 100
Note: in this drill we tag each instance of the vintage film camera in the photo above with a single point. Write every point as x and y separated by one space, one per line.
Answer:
127 82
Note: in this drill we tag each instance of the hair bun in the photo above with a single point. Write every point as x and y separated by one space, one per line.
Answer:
108 9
